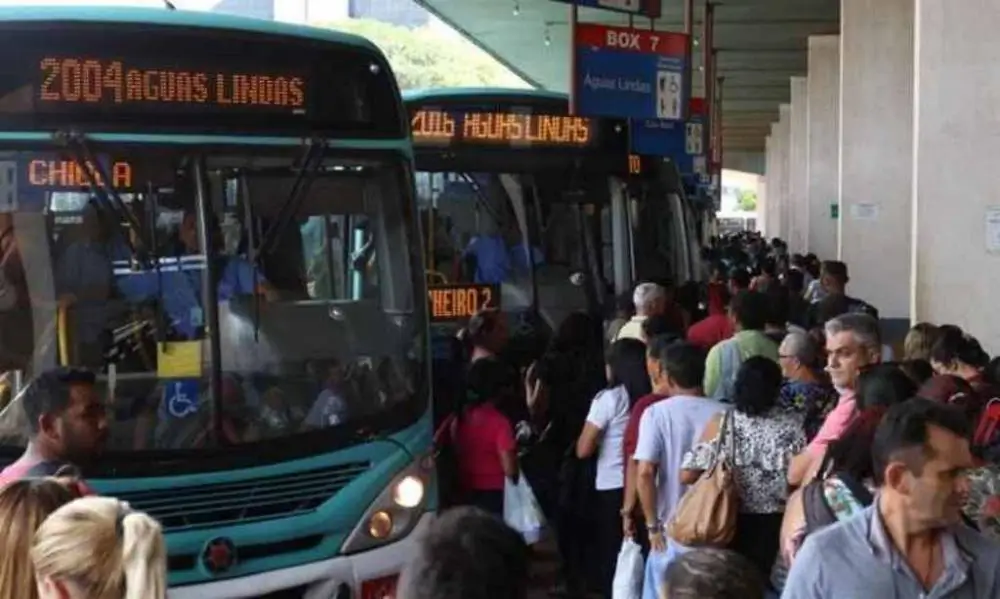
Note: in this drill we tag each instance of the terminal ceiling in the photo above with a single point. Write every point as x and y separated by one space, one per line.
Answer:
760 44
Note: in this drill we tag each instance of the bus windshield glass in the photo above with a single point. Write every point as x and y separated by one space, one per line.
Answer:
475 225
317 326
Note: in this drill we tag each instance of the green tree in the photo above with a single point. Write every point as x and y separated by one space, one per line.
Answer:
423 58
746 200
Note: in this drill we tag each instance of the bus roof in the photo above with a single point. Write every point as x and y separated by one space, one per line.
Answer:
474 93
179 18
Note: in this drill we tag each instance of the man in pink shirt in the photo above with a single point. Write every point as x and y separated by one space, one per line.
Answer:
67 424
852 343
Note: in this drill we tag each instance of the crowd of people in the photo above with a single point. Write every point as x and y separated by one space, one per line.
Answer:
760 441
818 460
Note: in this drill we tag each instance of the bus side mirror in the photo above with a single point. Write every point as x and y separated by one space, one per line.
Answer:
578 279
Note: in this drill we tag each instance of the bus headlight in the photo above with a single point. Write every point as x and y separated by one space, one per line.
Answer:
395 512
409 492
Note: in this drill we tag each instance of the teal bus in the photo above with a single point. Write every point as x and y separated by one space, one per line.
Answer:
539 212
218 216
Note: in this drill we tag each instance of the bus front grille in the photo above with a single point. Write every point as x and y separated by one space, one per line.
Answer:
252 500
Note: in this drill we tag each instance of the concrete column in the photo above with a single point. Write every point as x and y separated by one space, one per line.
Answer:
956 209
823 127
768 207
876 152
775 184
762 206
783 136
798 163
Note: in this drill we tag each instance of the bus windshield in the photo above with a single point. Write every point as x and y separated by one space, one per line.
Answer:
476 227
316 324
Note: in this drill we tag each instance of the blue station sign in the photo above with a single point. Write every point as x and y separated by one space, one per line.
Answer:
622 72
648 8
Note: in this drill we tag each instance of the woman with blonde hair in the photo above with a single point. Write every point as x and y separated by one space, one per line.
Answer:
24 504
98 548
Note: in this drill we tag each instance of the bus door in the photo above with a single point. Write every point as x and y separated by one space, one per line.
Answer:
575 228
660 233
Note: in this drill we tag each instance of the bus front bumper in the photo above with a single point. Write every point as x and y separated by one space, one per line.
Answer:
320 580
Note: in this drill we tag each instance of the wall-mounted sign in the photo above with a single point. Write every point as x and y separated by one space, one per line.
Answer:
629 73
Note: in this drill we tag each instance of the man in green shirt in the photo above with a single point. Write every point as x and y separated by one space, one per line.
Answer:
749 311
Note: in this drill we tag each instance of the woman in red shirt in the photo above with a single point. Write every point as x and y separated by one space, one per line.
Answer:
484 438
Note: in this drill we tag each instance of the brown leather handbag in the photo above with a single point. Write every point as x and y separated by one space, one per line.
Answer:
706 514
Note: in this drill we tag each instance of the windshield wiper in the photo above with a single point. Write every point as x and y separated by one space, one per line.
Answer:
97 181
310 163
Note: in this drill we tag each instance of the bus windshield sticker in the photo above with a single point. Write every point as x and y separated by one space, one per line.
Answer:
178 359
180 397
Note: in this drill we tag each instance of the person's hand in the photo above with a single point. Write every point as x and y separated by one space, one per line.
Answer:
532 387
628 525
657 540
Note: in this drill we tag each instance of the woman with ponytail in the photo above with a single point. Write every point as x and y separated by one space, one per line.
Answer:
24 505
98 548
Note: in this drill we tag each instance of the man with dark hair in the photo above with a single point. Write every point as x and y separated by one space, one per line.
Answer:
667 431
656 366
739 281
749 312
833 279
778 307
467 554
659 325
67 423
911 542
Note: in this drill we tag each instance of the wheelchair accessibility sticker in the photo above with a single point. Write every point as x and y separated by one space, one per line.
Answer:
181 397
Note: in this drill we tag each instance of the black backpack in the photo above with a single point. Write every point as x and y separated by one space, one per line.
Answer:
818 513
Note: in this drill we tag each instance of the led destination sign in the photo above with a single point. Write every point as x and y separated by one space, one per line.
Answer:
70 81
455 302
57 175
446 127
143 78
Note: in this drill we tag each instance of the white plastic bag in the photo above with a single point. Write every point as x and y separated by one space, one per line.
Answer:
629 572
521 511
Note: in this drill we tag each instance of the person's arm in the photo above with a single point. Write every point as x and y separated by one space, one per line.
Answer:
597 421
646 487
507 447
647 455
713 366
630 496
630 493
590 438
699 458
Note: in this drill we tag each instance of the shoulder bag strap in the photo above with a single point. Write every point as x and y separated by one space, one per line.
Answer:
724 426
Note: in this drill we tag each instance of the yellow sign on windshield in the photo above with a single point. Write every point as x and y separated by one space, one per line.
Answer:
178 359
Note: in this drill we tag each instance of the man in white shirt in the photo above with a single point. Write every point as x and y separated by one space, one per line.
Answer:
649 299
667 431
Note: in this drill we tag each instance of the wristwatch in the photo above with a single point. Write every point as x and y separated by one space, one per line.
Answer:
625 512
654 527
